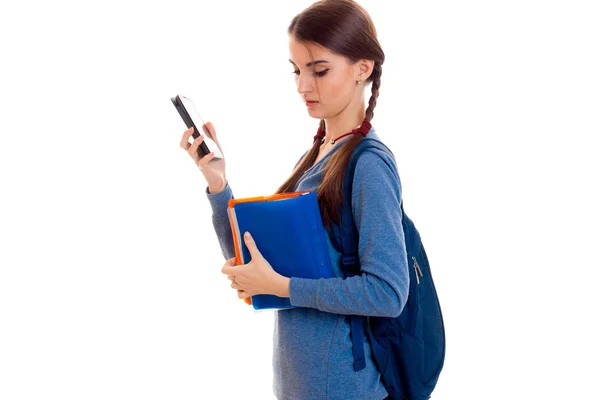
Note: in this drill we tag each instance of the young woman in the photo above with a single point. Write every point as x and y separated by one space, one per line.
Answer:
334 53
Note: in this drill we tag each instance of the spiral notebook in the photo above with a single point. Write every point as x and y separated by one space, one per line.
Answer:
289 233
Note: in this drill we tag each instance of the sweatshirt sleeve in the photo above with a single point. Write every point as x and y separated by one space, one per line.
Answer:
382 287
220 219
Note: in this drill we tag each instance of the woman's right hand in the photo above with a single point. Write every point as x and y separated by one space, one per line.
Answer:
213 170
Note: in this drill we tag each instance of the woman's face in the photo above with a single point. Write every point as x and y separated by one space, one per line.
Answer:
332 73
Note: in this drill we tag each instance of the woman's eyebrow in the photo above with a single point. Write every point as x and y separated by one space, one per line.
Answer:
311 63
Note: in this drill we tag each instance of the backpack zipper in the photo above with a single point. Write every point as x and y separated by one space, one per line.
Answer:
417 269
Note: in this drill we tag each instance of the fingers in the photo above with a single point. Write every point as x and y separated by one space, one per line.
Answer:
193 149
243 294
201 161
185 139
185 144
232 274
228 267
205 160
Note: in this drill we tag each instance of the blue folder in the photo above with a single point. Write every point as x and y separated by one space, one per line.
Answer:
289 233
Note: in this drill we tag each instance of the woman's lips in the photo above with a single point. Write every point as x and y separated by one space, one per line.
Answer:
311 103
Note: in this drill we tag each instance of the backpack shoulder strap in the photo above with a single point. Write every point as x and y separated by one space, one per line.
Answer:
345 235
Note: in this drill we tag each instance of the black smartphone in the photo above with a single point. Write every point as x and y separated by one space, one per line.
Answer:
191 117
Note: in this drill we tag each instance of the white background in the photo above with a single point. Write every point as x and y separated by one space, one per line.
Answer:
110 281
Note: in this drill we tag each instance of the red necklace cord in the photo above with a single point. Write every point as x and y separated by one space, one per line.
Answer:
363 129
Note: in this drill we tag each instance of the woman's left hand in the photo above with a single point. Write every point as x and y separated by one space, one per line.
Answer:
256 277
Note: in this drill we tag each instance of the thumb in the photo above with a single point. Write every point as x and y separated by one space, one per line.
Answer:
251 245
209 129
231 261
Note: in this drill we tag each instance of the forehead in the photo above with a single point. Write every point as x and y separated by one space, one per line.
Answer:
300 52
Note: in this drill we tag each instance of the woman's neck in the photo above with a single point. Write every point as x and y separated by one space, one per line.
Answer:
344 122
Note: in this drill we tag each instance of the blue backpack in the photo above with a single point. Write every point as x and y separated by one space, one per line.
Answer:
408 350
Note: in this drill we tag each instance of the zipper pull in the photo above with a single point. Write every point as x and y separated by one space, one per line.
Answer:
417 270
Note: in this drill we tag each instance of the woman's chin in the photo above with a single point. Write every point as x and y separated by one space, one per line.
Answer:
314 113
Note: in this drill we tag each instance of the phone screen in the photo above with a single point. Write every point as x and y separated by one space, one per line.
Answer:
198 124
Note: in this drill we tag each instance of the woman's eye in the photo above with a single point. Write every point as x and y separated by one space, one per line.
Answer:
320 73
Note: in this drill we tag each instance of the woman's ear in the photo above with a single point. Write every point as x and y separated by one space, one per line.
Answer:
365 69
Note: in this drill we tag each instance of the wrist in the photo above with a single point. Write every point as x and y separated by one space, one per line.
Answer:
217 188
283 287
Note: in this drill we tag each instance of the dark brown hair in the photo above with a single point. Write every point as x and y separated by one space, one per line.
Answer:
345 28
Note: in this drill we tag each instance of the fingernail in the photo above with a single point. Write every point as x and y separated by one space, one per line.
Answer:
247 235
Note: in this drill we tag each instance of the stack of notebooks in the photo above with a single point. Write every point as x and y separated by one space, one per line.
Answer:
289 233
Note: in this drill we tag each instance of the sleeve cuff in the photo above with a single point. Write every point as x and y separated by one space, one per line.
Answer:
216 200
303 292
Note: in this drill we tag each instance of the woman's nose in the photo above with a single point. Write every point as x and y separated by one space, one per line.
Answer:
304 83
